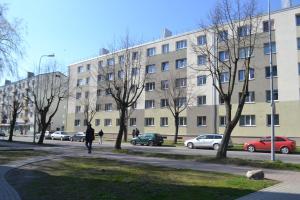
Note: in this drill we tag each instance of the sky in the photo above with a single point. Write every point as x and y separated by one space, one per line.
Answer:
76 29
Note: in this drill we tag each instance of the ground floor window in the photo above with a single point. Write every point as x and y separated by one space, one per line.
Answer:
201 121
247 120
276 120
107 122
149 121
182 121
164 121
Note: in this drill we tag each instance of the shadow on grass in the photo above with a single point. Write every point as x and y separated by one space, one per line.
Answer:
113 180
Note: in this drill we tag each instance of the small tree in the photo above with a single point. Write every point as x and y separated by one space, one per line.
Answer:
50 91
234 29
176 97
124 81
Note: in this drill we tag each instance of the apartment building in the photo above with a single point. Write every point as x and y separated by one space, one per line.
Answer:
19 91
205 114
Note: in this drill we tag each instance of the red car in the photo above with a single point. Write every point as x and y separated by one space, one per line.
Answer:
282 144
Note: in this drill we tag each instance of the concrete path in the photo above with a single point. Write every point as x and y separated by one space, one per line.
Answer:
289 188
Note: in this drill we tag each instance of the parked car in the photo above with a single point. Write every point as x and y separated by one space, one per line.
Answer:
60 135
206 141
149 139
79 136
282 144
2 133
47 135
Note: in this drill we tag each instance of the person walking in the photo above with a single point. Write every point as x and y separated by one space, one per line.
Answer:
133 133
137 132
100 136
89 137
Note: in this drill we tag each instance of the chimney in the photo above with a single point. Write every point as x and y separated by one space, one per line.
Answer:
166 33
7 82
286 4
30 74
103 51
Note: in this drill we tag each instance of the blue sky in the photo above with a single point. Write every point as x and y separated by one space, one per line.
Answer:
77 29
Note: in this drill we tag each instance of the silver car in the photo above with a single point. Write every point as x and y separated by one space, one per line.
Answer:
60 135
206 141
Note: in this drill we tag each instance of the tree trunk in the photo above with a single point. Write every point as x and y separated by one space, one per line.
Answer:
121 130
176 118
12 127
222 151
126 126
42 128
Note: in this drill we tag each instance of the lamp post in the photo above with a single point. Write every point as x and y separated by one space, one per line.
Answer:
37 93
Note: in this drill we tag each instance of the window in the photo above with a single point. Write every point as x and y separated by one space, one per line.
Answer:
78 95
268 95
201 80
77 109
150 86
108 107
224 77
267 48
77 122
164 121
275 119
107 122
118 122
149 121
164 84
242 74
245 52
244 31
182 121
250 97
180 82
164 103
109 76
110 62
201 100
201 40
201 121
223 56
80 82
87 80
222 120
100 77
165 66
298 20
135 55
121 59
88 67
266 25
298 43
223 36
80 69
121 74
108 91
181 44
86 94
181 101
247 120
149 103
165 48
181 63
97 122
298 69
132 122
100 63
268 71
151 52
135 71
150 69
201 59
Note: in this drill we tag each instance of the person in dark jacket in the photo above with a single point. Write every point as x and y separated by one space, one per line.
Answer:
100 136
133 133
89 137
137 132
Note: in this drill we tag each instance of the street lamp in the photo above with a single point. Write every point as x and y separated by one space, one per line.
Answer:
37 92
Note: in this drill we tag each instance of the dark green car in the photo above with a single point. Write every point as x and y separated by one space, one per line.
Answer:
150 139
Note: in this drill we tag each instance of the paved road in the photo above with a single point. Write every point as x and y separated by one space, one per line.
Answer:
290 158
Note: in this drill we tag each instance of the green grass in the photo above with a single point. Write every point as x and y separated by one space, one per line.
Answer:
211 159
90 178
9 156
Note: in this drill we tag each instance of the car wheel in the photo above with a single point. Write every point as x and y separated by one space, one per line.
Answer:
150 143
251 148
216 146
52 138
71 139
190 145
133 142
61 138
81 140
285 150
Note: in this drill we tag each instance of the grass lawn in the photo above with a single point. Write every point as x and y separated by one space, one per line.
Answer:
9 156
91 178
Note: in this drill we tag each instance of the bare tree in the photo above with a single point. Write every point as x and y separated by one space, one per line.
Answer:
233 27
15 108
10 41
51 89
176 97
124 81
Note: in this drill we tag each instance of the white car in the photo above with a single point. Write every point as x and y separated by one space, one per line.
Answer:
206 141
60 135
